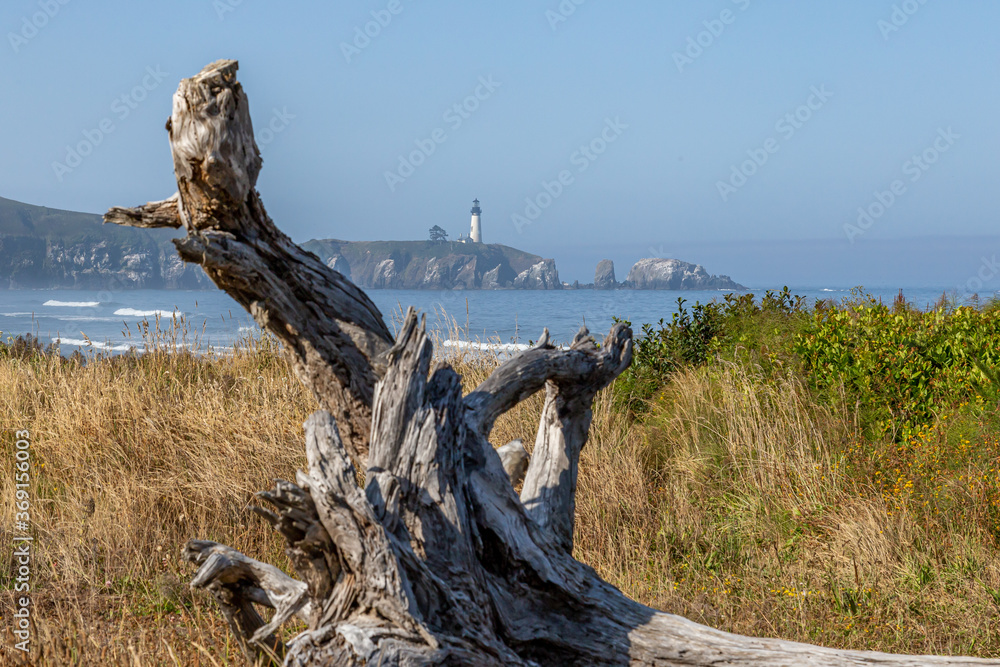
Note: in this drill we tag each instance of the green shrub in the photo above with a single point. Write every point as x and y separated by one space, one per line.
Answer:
899 364
731 328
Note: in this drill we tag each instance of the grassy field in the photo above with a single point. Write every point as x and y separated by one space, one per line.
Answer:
764 467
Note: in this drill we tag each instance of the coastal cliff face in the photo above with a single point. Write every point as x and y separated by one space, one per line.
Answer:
46 248
43 248
96 265
542 275
673 274
436 265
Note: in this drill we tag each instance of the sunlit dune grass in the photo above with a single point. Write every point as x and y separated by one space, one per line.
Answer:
735 499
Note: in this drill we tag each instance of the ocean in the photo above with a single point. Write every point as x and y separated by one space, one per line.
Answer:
203 320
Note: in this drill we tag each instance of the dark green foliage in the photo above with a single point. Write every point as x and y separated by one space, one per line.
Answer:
438 234
900 365
730 329
897 366
687 339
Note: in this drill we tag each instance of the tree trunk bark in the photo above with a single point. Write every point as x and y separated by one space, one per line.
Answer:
436 561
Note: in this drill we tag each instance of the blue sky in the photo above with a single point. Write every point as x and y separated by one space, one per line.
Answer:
645 108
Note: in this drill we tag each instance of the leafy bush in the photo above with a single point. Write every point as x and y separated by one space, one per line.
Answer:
899 364
692 338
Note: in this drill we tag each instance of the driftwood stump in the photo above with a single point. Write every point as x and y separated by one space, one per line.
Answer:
436 560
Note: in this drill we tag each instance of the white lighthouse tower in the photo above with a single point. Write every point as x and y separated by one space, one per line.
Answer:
476 233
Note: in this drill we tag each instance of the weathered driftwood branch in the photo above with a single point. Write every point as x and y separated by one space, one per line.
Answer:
335 334
155 214
437 560
237 582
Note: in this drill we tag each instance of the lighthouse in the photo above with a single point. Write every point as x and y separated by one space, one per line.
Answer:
476 232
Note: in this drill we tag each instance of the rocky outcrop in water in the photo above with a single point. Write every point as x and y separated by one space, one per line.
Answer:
542 275
673 274
604 275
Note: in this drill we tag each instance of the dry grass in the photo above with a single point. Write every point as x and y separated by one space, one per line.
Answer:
734 502
133 456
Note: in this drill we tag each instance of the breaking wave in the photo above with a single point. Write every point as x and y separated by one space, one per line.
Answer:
82 342
72 304
81 318
132 312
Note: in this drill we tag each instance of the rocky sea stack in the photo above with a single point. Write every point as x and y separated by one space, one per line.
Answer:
673 274
604 276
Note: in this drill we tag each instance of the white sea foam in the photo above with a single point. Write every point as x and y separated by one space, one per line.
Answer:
132 312
125 347
72 304
82 342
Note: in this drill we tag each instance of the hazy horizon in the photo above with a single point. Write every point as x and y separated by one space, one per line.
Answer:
740 135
